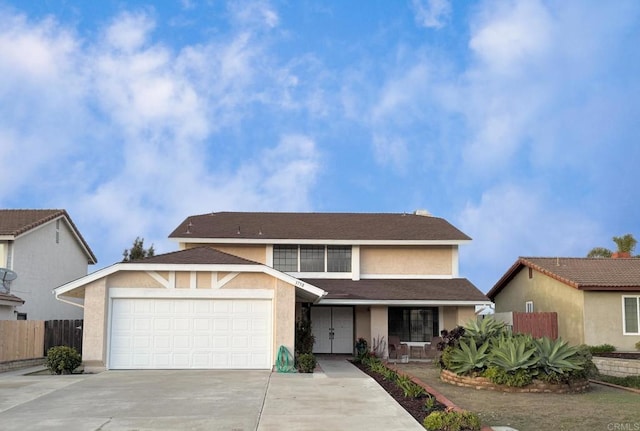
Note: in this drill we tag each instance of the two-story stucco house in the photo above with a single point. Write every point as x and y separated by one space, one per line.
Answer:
45 249
230 297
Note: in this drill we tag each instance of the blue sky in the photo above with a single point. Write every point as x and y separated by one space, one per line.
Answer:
517 121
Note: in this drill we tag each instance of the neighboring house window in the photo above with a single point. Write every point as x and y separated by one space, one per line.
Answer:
311 258
285 258
22 316
338 258
528 307
631 314
413 324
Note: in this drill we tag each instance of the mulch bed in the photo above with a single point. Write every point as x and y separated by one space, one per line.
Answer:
414 406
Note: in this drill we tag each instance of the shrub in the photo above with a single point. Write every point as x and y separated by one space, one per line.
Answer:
517 378
62 360
444 362
557 357
306 363
638 345
602 348
487 329
450 338
513 353
452 421
409 388
468 357
304 336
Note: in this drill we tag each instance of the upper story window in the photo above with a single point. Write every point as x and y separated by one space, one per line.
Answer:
285 258
312 258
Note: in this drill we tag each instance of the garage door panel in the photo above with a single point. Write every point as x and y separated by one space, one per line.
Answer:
190 333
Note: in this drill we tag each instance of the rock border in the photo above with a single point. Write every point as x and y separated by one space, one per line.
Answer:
482 383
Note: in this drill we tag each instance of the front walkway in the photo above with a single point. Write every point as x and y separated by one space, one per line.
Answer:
339 397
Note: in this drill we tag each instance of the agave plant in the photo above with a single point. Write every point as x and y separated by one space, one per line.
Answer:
557 356
487 329
468 357
513 353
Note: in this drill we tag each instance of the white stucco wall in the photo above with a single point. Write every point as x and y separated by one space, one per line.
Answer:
44 261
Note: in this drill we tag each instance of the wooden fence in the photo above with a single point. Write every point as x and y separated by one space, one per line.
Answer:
63 333
540 324
30 339
21 339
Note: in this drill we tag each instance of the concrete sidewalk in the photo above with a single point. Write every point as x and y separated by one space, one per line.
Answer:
340 397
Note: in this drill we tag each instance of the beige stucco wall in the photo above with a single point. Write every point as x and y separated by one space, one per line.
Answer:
362 325
284 317
432 260
256 253
547 294
94 331
379 325
133 279
456 316
604 323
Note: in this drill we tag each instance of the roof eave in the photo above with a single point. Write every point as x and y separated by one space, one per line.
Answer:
262 241
404 302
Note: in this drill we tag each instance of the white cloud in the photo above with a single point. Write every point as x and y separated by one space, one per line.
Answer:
128 127
519 220
510 36
431 13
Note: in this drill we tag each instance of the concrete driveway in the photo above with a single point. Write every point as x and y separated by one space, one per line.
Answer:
339 398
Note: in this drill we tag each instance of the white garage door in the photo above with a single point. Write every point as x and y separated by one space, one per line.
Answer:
190 333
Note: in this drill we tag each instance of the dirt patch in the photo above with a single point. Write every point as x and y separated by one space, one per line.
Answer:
601 408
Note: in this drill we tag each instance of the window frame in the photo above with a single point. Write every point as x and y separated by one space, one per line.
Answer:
301 259
624 314
435 321
528 307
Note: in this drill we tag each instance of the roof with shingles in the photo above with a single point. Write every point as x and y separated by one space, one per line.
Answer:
455 289
318 226
15 222
621 274
197 255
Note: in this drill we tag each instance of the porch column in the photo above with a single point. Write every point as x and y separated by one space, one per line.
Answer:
380 327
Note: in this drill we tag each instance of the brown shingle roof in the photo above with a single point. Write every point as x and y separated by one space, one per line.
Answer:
15 222
197 255
317 226
457 289
580 273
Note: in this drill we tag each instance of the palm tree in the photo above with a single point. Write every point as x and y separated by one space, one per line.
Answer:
626 245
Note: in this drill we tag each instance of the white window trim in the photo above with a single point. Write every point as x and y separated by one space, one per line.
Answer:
528 307
637 298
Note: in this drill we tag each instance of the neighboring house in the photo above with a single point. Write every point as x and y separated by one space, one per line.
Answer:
597 299
45 249
230 298
8 304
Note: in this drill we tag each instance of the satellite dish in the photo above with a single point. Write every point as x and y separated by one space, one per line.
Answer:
6 277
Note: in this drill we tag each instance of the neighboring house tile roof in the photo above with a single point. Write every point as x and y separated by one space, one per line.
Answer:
318 226
11 298
15 222
197 255
580 273
456 289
